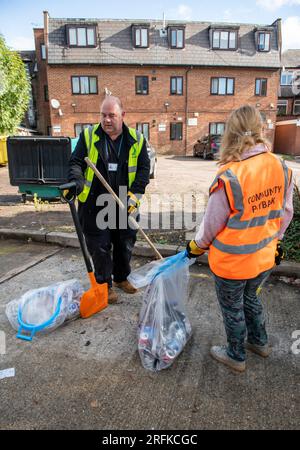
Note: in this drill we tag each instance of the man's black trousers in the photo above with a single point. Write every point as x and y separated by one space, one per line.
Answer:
121 242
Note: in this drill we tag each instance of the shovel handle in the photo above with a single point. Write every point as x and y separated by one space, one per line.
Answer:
121 204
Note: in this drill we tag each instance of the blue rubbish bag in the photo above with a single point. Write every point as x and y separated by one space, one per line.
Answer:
164 327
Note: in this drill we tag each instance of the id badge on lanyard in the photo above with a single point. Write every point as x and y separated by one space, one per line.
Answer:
112 167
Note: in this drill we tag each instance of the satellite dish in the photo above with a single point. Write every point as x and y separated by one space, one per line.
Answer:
55 103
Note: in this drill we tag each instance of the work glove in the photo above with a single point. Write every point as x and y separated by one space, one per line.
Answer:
192 250
132 203
69 190
279 255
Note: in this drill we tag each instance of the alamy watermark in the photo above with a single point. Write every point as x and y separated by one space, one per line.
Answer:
296 82
2 343
159 212
295 347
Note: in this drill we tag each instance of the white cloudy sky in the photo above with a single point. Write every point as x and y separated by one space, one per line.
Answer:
18 17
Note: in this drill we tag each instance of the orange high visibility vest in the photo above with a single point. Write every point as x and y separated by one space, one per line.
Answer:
256 191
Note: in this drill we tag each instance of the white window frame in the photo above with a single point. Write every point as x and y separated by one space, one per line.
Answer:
217 126
43 52
84 84
296 103
227 34
80 127
141 37
284 78
89 36
282 103
144 128
266 45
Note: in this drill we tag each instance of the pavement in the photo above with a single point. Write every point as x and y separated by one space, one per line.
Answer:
87 374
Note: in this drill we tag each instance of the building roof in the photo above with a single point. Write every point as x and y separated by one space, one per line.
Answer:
116 47
291 59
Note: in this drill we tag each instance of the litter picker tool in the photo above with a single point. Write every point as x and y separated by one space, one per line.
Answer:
96 298
121 204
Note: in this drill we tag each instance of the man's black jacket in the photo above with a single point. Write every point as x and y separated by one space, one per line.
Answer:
77 166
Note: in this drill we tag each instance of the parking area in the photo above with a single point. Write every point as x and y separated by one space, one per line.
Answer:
181 184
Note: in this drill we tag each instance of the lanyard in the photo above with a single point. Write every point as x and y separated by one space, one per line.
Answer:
111 145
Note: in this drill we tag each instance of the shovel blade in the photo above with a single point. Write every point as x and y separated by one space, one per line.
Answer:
94 300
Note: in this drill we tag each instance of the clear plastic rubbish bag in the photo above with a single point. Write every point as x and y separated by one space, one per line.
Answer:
44 309
164 327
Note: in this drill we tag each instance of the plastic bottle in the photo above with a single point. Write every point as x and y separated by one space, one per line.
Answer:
145 337
148 360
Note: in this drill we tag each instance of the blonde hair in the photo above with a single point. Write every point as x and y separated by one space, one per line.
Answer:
243 130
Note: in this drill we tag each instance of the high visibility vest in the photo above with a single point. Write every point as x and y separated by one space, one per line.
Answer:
90 140
256 191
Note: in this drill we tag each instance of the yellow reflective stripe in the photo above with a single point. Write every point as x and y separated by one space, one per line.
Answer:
134 152
90 139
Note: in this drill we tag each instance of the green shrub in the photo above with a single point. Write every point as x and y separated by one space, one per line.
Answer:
291 240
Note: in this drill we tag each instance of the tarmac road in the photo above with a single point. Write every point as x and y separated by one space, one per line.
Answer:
88 375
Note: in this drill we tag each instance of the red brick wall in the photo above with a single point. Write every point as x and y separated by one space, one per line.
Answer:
43 113
150 108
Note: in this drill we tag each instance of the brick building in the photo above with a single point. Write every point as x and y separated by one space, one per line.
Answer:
287 133
288 106
177 80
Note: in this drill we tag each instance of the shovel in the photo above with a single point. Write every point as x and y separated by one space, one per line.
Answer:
120 203
96 298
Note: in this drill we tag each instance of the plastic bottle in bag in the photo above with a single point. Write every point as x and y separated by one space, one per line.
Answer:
175 341
148 360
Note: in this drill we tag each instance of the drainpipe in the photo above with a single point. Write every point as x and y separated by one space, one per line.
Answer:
186 108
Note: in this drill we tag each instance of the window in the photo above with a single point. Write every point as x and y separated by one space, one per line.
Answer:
141 85
79 127
296 109
224 40
143 128
141 37
176 37
43 51
84 85
176 131
263 116
176 85
46 95
286 78
261 86
263 42
81 36
282 107
217 128
222 86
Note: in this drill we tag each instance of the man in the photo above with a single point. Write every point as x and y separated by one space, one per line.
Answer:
121 156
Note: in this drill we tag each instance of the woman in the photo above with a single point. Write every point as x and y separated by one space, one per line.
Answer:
249 208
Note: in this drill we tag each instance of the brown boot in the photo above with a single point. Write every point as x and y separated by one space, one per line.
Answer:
112 296
126 287
261 350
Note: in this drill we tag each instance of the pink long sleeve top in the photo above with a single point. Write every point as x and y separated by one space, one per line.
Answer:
218 211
